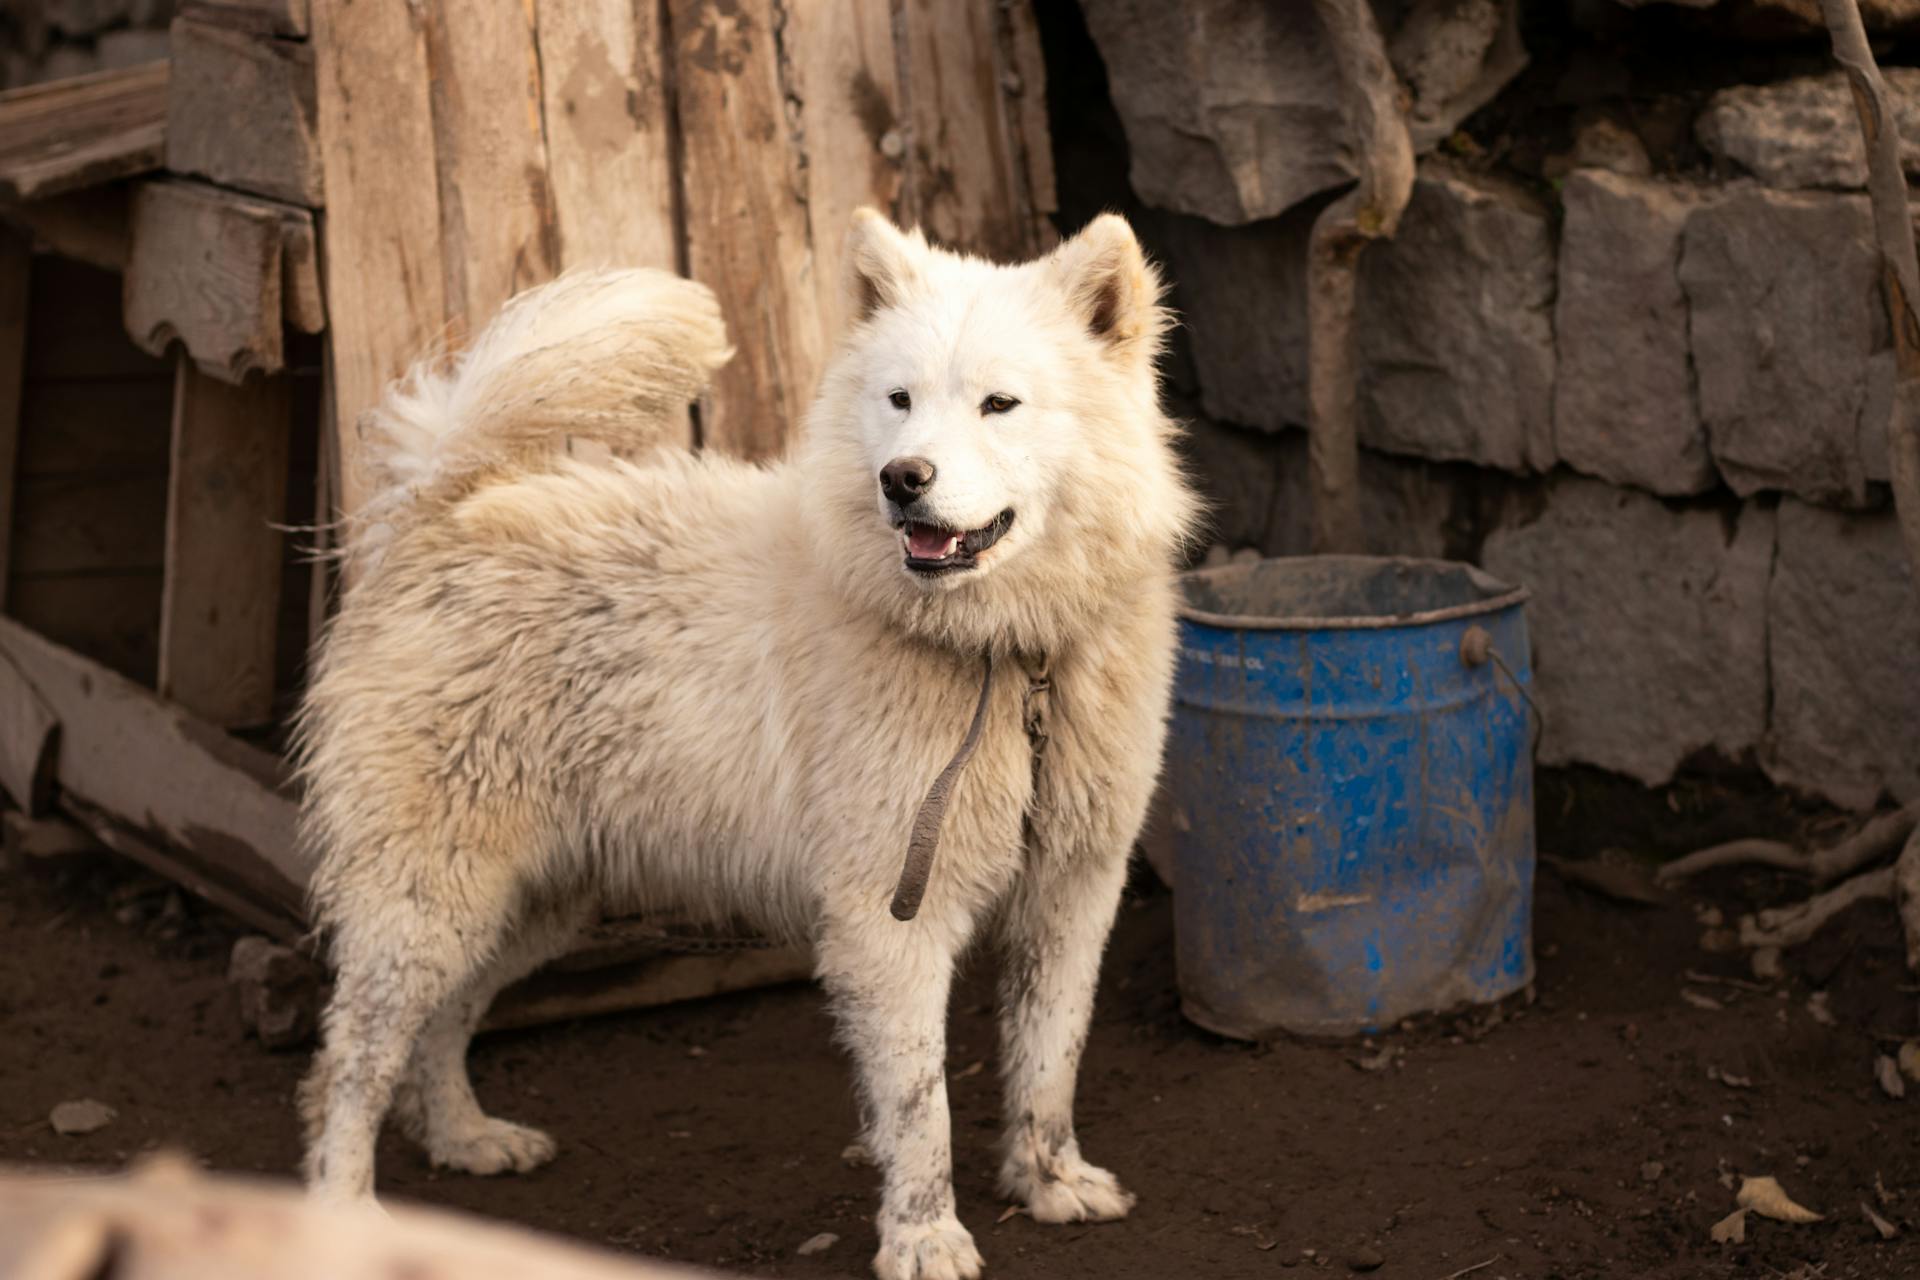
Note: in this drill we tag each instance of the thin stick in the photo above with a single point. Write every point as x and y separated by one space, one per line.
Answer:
1371 211
1467 1271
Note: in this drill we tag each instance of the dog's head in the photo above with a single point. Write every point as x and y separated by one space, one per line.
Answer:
987 461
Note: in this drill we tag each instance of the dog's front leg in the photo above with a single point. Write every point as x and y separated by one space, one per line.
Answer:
889 983
1055 928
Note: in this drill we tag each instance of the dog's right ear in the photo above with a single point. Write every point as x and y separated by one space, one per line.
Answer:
883 262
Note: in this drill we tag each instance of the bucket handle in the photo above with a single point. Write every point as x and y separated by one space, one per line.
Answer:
1476 650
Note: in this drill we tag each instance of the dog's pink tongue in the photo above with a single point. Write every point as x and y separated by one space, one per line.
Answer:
928 543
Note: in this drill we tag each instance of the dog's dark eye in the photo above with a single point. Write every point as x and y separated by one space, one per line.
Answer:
997 403
900 400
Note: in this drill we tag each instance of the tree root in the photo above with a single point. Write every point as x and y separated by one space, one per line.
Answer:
1878 838
1791 925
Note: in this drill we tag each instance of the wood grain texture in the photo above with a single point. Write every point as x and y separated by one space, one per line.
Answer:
496 213
264 17
179 780
844 75
206 270
226 490
241 112
746 220
99 522
82 131
381 252
16 270
560 994
29 737
303 301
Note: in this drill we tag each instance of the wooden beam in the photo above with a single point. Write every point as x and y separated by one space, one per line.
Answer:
746 216
226 490
288 18
241 111
385 285
29 738
207 270
46 839
89 226
176 781
82 131
560 994
16 271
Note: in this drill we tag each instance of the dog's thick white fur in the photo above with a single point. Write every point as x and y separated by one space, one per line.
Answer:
687 683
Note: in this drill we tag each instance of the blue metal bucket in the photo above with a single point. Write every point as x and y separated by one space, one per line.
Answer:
1351 784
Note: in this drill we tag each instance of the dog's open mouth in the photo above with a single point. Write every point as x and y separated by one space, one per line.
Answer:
935 549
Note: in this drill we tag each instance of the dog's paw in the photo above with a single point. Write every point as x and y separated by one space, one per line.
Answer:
937 1250
493 1146
1065 1189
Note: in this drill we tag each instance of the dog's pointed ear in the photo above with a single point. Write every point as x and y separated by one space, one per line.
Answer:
883 262
1111 286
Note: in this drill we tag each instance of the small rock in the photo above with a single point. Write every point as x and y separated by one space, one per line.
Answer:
1886 1229
1817 1009
81 1116
818 1244
1651 1171
1366 1258
1909 1059
277 991
1887 1073
1766 963
1700 1000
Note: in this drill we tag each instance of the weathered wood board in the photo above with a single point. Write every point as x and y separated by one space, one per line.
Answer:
241 112
81 131
226 493
291 18
29 735
206 270
16 270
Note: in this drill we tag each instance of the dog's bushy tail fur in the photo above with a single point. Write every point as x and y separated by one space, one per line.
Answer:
611 357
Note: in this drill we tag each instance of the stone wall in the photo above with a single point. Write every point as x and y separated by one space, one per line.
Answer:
1627 348
51 39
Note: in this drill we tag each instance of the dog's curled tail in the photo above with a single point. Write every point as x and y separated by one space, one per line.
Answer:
609 356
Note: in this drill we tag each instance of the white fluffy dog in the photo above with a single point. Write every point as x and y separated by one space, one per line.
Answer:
686 683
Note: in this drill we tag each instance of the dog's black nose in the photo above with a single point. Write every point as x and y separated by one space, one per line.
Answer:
905 479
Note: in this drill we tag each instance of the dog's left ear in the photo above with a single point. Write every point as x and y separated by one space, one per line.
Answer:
1110 284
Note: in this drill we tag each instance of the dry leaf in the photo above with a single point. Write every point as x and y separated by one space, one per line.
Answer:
818 1244
1888 1075
1699 1000
1766 1197
856 1156
1818 1010
1880 1191
1731 1229
971 1069
1886 1229
1011 1211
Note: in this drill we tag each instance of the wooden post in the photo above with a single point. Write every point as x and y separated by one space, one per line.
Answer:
226 490
16 263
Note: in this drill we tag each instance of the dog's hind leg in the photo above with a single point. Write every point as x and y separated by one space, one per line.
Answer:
889 982
396 961
436 1104
1054 929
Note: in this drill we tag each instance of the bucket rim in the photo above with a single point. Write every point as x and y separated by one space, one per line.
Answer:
1508 597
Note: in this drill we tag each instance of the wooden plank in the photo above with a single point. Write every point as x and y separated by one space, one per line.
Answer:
241 112
192 872
496 214
844 72
88 225
263 17
175 780
226 490
82 131
557 995
29 738
206 270
609 153
746 218
304 305
1023 101
16 271
968 186
110 428
385 289
110 618
76 330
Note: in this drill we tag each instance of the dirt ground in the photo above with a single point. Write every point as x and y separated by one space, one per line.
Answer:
1588 1134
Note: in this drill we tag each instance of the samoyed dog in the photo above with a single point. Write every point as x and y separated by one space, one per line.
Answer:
647 680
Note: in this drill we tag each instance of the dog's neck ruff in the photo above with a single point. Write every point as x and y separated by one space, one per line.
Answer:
923 839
